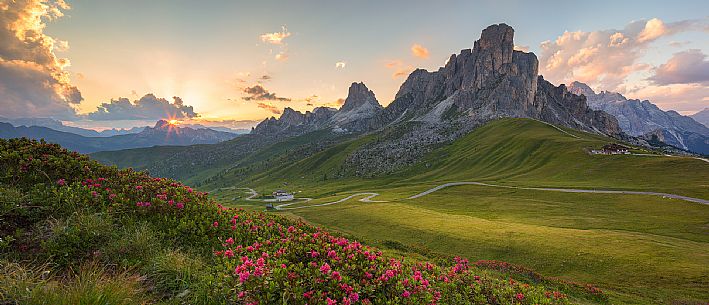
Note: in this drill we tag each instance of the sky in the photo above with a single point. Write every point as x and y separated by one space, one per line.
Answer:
103 64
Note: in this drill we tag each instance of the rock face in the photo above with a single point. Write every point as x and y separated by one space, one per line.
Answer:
640 118
491 80
702 117
355 114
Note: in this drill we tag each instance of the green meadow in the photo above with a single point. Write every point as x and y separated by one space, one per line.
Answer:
640 249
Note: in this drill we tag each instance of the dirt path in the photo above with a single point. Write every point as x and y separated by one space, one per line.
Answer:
666 195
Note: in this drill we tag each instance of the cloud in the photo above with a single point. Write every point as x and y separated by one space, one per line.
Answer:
259 93
276 37
33 82
281 56
340 64
687 67
605 58
400 69
269 107
419 51
311 100
148 107
680 97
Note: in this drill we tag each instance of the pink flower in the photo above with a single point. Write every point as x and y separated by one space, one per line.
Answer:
406 294
180 205
229 253
331 301
61 182
138 187
354 297
111 196
325 268
93 193
520 296
244 276
215 224
229 241
336 276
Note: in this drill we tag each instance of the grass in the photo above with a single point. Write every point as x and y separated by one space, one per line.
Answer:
640 248
643 249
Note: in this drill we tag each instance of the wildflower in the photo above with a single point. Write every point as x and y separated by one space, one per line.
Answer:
520 296
138 187
336 276
331 301
325 268
244 276
215 224
180 205
61 182
229 241
93 193
406 294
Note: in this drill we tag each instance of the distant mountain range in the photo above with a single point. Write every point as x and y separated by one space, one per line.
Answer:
645 119
59 126
161 134
702 117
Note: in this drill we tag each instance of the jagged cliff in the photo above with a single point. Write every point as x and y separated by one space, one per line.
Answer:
489 81
643 118
354 116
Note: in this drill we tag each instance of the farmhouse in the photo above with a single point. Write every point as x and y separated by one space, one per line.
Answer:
281 195
611 149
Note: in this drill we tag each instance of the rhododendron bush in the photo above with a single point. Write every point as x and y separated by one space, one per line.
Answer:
253 257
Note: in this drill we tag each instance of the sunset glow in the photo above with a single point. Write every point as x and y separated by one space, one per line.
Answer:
210 64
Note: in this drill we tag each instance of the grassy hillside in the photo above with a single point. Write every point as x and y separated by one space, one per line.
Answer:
76 232
642 249
518 152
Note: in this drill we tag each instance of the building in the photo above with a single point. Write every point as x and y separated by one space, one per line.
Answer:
611 149
281 195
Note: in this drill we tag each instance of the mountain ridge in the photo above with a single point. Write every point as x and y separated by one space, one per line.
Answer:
641 118
161 134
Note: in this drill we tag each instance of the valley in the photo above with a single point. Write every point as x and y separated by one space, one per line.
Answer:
639 248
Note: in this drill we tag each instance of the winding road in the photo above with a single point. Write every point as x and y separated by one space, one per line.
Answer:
674 196
369 195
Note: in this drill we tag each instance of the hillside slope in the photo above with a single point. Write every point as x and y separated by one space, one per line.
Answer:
521 152
76 232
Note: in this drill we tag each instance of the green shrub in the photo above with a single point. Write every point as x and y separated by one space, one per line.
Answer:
78 237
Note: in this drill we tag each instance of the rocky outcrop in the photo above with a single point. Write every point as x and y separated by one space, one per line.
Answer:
489 81
354 116
639 118
557 105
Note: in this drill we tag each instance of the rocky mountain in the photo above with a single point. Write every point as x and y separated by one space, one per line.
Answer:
643 118
489 81
702 117
161 134
355 114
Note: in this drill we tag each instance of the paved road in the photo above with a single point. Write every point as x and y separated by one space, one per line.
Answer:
442 186
368 198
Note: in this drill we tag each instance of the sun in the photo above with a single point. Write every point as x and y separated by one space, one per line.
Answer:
173 122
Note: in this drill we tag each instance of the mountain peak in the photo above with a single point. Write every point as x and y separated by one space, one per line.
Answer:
161 124
579 88
359 95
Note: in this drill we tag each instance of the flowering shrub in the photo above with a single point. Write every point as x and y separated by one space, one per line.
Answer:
258 258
